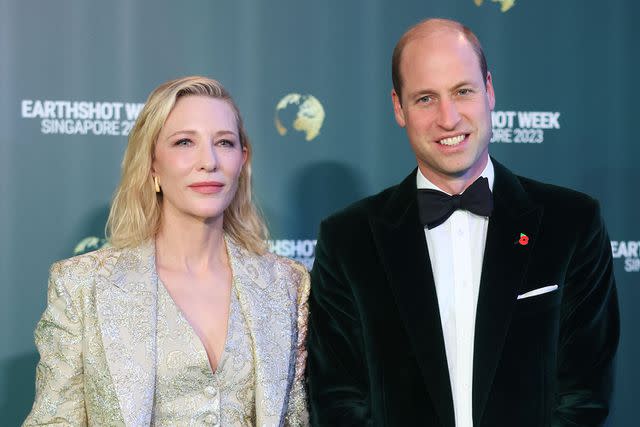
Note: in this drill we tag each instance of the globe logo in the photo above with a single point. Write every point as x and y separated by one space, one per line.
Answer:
89 244
303 113
504 4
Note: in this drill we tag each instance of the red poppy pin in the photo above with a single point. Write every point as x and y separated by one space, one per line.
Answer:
524 239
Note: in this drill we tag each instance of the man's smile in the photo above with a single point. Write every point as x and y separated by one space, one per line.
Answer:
454 140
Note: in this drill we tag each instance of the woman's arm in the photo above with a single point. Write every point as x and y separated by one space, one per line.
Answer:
59 399
297 412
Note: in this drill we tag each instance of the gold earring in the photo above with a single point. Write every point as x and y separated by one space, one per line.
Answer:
156 184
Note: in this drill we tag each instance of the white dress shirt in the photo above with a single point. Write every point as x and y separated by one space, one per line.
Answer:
456 250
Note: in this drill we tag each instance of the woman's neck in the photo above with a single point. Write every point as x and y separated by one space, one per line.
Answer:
190 245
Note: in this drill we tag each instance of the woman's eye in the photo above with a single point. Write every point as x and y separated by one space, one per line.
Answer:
183 141
226 143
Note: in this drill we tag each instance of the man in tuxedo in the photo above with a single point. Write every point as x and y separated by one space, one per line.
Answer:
465 295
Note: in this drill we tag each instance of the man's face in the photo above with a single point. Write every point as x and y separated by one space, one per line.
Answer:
446 108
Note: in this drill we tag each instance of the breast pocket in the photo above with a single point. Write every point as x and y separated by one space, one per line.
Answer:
532 302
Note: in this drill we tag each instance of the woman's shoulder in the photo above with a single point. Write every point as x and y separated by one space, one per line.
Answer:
81 270
283 266
269 268
295 273
86 263
286 263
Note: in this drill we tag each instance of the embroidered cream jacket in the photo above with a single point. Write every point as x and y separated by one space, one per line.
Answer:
97 340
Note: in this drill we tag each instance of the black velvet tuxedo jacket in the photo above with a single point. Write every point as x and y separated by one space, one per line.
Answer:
376 347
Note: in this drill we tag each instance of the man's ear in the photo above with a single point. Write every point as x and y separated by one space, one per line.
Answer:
490 93
397 108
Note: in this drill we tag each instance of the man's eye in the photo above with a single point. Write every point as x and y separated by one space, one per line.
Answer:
465 91
424 99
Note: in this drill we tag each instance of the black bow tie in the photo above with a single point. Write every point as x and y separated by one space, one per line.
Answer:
435 207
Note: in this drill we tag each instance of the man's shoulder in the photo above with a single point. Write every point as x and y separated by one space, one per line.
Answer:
352 225
542 194
563 207
551 195
361 210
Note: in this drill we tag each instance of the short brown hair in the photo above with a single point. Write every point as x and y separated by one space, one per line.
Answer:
412 32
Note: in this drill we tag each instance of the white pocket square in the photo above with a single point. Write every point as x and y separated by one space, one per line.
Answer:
538 291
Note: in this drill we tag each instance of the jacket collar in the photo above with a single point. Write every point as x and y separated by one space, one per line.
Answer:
126 299
126 303
400 241
270 313
504 268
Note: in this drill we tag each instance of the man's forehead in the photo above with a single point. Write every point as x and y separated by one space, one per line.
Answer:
429 61
436 36
433 50
434 28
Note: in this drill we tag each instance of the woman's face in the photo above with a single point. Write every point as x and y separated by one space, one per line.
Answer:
198 158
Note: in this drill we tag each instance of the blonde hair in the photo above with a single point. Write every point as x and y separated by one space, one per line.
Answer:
135 214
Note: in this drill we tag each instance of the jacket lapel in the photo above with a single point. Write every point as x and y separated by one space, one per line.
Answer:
126 299
270 313
504 267
401 244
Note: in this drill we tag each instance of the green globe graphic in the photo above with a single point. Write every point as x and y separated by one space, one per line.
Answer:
303 113
89 244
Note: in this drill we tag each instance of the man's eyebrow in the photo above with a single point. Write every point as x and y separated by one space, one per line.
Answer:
464 83
425 91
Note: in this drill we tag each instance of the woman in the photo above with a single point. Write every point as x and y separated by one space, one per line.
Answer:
184 319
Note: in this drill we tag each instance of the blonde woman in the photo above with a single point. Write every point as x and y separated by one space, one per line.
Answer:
184 319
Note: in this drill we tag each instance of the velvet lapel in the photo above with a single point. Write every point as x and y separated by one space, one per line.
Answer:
126 300
270 313
503 270
402 247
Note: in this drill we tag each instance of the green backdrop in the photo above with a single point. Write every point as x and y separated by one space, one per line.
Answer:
574 62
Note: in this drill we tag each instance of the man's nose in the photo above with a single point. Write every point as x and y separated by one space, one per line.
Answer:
448 115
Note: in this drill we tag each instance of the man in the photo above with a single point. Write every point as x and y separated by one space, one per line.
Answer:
494 308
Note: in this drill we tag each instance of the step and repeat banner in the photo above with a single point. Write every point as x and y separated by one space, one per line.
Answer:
312 80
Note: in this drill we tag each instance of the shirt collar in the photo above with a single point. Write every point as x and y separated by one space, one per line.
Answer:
424 183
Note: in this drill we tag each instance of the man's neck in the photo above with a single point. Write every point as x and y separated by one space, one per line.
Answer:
455 185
